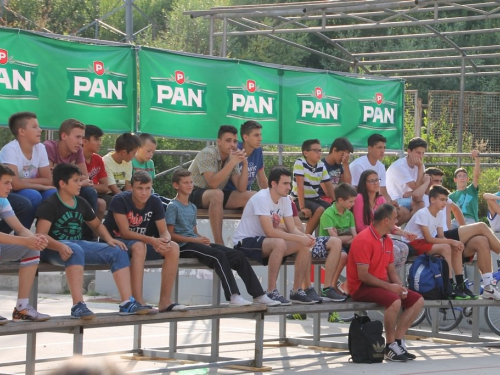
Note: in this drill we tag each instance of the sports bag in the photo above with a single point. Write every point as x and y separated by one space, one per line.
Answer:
428 276
365 340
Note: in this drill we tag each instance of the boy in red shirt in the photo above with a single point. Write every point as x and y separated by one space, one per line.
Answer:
95 165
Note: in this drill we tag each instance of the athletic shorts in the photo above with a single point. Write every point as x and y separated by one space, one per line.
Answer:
384 297
319 250
452 234
196 196
314 203
252 248
494 222
421 246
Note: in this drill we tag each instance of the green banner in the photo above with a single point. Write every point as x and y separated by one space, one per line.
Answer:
59 80
190 97
185 96
327 106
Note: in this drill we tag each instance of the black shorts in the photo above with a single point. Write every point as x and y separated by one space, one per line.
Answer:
452 234
252 248
196 196
314 203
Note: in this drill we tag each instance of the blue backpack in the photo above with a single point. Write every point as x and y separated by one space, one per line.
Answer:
428 276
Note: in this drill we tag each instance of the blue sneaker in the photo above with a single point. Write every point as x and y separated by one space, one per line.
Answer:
81 311
132 307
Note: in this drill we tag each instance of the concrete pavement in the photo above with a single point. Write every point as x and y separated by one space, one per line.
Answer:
283 360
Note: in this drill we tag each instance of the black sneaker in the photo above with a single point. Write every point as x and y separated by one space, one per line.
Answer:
463 288
405 350
394 353
3 320
311 293
276 296
457 293
300 297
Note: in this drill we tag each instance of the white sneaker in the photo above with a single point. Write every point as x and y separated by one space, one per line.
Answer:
490 292
237 300
265 300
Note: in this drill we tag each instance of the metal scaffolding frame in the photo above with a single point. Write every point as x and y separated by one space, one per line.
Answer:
326 19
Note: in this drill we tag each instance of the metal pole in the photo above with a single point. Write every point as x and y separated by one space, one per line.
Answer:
129 21
461 112
211 37
418 114
224 39
280 154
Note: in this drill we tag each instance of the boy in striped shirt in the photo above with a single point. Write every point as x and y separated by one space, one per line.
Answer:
309 174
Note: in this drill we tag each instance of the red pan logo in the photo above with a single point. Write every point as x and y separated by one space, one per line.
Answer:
318 92
4 56
251 86
98 68
379 98
179 77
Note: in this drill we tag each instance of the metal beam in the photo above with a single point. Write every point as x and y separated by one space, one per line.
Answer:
316 7
431 59
415 36
424 51
367 26
444 75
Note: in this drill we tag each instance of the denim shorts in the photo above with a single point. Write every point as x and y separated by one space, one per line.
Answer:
404 202
151 253
89 253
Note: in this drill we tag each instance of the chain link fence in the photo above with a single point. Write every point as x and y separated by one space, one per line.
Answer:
481 117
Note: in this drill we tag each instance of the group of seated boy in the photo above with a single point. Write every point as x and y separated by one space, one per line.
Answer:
68 188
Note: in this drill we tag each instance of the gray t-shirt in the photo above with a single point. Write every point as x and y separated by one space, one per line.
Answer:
182 217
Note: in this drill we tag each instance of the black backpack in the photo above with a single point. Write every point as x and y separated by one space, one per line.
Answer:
366 343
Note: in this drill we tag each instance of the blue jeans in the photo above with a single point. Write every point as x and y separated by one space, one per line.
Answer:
35 198
90 253
22 208
151 253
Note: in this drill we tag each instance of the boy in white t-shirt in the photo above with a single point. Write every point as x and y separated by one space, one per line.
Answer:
406 175
427 224
476 237
259 237
27 157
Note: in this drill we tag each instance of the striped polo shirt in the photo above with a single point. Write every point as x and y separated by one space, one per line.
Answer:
313 177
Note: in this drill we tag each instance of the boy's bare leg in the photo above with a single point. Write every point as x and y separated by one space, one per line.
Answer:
74 277
314 220
338 270
334 246
26 277
274 249
213 199
122 281
239 199
466 232
480 245
168 274
404 215
138 252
